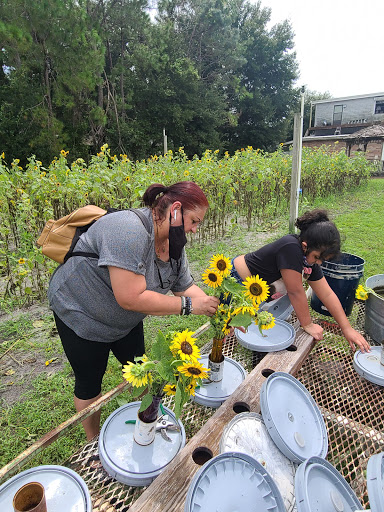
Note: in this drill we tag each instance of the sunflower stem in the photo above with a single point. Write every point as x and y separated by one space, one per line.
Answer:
217 350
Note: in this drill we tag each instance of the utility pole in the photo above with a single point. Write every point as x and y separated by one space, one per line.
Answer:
296 165
165 142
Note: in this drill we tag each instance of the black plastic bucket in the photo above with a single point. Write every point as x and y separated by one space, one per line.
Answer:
343 276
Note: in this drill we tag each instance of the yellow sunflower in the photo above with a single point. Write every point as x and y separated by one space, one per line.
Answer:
184 346
361 293
265 320
135 374
257 289
212 278
252 310
170 389
191 388
221 264
21 261
194 370
226 328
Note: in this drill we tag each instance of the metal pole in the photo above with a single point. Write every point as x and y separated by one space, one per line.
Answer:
296 166
165 142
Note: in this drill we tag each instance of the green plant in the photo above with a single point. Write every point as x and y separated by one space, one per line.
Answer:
172 367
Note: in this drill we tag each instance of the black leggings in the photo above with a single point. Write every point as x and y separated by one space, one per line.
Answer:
89 358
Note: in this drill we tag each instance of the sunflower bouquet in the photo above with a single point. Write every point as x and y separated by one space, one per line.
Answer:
172 368
239 302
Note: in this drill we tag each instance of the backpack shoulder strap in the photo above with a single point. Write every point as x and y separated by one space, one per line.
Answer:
146 222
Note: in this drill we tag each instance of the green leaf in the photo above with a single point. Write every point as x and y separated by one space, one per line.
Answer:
232 286
120 401
146 402
241 320
160 349
179 402
137 391
165 371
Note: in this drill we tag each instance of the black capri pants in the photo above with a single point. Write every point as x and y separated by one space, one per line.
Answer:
89 358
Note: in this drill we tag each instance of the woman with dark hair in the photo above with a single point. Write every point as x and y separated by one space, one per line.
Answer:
284 264
99 303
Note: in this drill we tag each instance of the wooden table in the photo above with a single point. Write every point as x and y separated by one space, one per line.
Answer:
168 492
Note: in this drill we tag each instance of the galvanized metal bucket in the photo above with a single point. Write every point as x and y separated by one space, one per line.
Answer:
374 309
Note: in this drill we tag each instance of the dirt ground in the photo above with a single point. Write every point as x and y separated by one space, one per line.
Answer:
30 349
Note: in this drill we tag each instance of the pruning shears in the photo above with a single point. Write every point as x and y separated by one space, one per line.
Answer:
163 424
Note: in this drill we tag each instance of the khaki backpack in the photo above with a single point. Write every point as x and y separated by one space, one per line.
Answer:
59 237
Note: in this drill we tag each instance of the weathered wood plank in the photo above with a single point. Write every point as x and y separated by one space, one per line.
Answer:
168 492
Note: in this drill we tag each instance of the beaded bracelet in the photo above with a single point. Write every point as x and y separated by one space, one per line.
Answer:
183 305
189 307
186 305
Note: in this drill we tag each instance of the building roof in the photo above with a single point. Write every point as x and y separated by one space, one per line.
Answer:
332 100
375 131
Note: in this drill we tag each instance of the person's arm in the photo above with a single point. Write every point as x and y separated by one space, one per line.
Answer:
294 285
330 300
130 291
200 300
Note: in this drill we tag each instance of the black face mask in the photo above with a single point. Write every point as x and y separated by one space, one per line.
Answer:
177 239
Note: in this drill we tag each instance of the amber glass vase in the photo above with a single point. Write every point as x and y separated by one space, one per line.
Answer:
216 355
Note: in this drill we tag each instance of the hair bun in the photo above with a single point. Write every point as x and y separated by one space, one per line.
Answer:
311 217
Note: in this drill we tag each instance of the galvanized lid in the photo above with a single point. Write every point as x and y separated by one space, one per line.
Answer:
65 490
247 433
128 462
292 418
367 364
213 394
279 337
233 482
321 488
375 482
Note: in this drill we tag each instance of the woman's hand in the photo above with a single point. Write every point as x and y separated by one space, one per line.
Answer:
315 330
354 339
205 305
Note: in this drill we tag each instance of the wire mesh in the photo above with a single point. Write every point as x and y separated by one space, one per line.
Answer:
351 407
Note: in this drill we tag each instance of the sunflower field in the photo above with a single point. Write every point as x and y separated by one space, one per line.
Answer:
245 187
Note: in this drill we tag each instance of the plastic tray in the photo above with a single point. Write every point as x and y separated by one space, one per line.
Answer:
321 488
375 482
233 482
214 394
292 418
281 336
367 364
247 433
65 490
128 462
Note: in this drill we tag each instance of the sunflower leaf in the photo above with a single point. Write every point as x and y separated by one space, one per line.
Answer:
179 399
146 402
136 391
232 286
241 320
160 348
164 370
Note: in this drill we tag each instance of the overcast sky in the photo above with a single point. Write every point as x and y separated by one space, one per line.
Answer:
339 43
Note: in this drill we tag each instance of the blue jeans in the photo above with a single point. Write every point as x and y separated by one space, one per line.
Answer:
235 274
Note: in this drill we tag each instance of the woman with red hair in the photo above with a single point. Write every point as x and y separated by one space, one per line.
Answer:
99 303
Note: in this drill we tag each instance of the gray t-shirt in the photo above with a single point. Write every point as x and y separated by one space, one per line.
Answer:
80 291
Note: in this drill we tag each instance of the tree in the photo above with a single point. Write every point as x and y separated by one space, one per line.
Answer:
53 62
266 95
